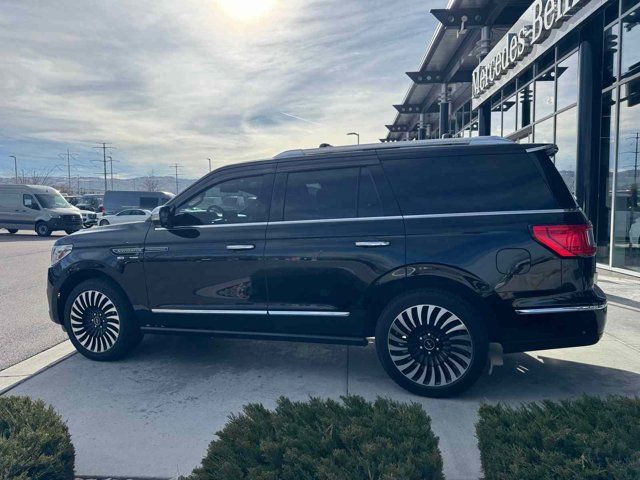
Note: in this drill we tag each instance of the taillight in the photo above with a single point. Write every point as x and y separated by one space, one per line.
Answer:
567 240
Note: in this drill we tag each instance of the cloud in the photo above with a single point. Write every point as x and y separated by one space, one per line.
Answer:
168 82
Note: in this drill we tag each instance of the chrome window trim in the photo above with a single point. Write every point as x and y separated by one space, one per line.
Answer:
545 310
309 313
388 217
326 220
485 214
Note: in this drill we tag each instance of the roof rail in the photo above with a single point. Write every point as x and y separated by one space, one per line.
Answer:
389 145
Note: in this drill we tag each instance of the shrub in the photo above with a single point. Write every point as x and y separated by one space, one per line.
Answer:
34 442
325 440
585 439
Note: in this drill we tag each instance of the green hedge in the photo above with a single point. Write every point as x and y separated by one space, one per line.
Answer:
585 439
34 442
325 440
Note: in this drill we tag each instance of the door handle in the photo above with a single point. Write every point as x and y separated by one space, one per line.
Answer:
240 247
372 244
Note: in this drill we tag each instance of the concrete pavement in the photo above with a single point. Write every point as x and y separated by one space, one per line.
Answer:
154 413
25 328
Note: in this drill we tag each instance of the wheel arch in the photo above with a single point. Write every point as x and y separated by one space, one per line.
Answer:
429 276
76 278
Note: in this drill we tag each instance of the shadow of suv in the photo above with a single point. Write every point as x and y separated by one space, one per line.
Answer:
435 248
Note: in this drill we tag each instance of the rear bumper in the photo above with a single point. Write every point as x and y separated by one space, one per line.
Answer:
554 326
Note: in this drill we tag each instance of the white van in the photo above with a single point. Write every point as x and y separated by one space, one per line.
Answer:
36 207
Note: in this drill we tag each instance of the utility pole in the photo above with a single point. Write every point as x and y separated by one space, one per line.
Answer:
176 166
68 156
635 164
111 166
15 164
104 148
209 163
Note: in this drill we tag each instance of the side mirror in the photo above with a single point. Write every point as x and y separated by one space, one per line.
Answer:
166 216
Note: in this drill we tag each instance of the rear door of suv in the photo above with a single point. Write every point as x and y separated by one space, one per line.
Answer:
334 229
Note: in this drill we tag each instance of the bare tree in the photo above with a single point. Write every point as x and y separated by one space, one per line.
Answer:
35 177
150 183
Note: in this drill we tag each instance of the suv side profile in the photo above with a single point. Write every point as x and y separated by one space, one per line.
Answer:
435 248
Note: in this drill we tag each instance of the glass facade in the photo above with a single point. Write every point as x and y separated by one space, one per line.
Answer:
619 213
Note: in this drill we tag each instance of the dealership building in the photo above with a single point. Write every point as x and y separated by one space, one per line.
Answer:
549 71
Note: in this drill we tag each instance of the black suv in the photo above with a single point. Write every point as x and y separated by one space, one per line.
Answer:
435 248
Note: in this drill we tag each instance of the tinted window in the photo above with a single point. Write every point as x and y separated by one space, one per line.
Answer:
321 194
150 202
369 203
474 183
240 200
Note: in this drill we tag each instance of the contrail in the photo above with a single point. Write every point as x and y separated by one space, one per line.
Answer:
301 119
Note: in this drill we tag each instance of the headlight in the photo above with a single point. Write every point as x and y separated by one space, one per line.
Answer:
59 252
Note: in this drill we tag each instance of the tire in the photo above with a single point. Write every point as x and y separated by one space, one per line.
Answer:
69 232
12 230
100 322
104 222
42 229
432 343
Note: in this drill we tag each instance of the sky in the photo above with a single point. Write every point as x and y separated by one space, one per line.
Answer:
167 82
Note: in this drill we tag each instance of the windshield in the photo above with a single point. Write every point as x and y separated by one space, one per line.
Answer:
52 200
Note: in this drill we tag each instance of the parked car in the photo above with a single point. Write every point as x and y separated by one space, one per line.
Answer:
126 216
116 200
36 207
91 201
435 248
89 218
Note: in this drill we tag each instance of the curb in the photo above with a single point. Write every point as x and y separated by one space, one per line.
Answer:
20 372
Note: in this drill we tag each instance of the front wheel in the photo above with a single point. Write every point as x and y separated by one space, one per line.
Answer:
100 322
42 229
69 232
12 230
104 222
432 343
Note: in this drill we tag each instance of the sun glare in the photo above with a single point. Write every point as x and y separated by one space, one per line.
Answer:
246 10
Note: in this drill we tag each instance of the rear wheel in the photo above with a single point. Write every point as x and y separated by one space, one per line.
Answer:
12 230
432 343
104 222
42 229
100 321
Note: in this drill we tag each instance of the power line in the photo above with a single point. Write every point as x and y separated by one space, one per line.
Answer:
69 156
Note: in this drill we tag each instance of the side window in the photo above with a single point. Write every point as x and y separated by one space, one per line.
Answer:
123 213
29 202
369 203
473 183
233 201
318 194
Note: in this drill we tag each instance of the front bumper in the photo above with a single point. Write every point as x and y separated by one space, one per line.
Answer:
66 222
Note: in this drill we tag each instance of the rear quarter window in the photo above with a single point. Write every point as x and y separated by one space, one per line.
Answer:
471 183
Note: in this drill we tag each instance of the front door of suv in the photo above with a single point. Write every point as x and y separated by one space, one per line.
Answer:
207 270
334 229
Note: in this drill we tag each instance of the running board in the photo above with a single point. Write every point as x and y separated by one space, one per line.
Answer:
287 337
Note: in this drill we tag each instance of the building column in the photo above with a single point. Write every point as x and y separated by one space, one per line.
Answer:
421 128
444 111
484 111
589 118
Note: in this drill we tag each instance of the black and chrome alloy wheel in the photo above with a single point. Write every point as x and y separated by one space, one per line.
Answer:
95 321
432 342
430 345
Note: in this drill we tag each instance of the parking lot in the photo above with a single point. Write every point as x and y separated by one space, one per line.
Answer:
25 328
154 413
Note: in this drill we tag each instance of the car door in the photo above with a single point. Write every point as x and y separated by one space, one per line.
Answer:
207 271
334 230
122 217
10 203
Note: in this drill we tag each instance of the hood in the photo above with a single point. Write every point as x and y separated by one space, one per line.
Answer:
63 211
119 234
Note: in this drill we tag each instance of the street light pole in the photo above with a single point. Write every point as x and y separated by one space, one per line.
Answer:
15 164
356 134
209 163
